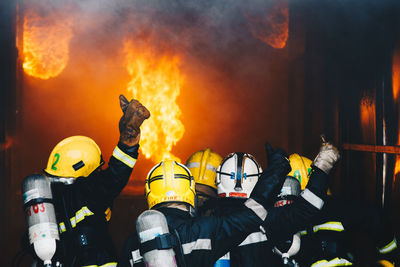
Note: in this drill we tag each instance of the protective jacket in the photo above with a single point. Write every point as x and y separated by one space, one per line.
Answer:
205 239
255 250
83 210
325 241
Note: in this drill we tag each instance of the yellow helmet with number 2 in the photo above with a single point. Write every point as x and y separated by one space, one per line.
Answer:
203 165
75 156
170 181
301 168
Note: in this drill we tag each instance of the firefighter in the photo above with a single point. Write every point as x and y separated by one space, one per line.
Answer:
325 241
203 166
83 193
170 189
236 177
256 249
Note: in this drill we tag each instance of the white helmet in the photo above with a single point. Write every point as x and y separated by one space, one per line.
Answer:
237 175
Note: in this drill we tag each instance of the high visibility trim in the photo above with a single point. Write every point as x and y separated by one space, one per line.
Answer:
332 263
108 213
329 226
125 158
136 257
304 232
110 264
197 165
312 198
199 244
79 216
389 247
193 165
211 168
258 209
253 238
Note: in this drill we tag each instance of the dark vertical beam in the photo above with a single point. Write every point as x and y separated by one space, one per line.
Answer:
8 65
296 46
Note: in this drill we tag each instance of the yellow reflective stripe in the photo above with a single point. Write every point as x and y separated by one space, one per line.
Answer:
61 228
330 226
304 232
79 216
332 263
108 214
125 158
110 264
389 247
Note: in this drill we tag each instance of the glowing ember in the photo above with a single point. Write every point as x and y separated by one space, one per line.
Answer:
367 110
272 27
396 74
45 44
156 82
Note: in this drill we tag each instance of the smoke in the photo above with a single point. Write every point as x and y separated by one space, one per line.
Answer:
234 95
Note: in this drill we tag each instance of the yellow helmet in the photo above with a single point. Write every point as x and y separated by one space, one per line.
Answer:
203 165
384 263
301 168
170 181
75 156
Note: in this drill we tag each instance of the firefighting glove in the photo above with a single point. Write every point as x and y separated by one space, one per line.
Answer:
327 157
129 124
271 180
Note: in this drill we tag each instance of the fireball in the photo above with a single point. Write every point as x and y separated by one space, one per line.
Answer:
45 44
156 82
271 25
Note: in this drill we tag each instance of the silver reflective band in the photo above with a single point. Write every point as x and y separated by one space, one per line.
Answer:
330 226
334 262
197 165
79 216
253 238
136 256
211 168
193 165
196 245
257 208
389 247
125 158
312 198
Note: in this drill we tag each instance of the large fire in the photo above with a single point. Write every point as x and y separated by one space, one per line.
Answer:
46 41
156 83
396 89
272 26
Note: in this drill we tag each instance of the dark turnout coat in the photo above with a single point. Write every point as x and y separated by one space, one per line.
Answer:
205 239
83 210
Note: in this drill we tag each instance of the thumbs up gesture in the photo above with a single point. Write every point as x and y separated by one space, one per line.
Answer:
129 124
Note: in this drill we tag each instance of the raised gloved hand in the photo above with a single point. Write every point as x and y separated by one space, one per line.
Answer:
129 124
273 177
327 157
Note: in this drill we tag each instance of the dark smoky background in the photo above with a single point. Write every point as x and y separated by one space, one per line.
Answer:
282 71
233 98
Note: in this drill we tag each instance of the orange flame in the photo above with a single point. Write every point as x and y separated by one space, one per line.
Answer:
396 74
273 27
396 89
156 83
397 166
45 44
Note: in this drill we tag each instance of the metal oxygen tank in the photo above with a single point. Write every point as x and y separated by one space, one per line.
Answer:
40 216
152 224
